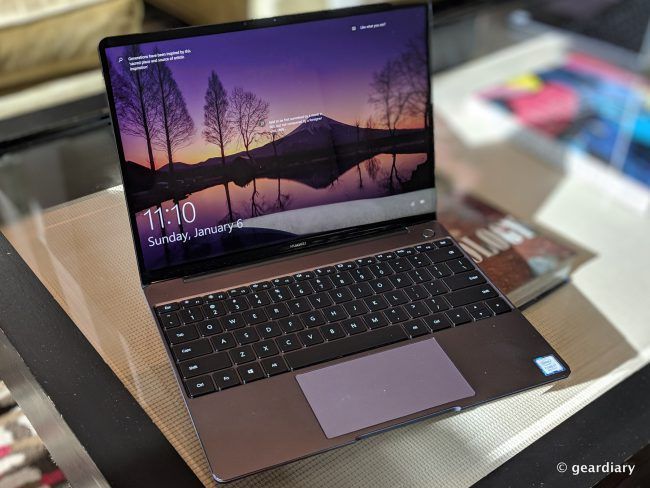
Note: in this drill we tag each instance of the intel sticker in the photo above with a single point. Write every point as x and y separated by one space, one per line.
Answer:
549 365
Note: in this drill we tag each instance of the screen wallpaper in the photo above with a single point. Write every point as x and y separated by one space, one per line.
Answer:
244 139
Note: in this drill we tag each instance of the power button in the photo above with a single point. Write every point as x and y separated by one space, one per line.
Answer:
428 233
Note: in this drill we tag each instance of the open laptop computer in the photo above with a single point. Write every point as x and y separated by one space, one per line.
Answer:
279 176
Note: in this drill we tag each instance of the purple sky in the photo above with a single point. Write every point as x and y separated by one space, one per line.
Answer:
321 66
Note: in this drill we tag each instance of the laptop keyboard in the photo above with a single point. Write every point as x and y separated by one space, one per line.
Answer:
228 338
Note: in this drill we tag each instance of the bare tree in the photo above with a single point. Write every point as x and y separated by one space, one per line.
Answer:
390 95
248 113
135 94
176 125
218 129
414 75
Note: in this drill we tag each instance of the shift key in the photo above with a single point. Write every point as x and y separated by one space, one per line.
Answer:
191 350
470 295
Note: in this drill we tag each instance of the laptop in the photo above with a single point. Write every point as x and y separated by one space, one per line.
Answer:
279 179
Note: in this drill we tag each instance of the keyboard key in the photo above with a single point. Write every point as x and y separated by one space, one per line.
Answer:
396 297
336 349
320 300
168 307
265 349
407 251
298 305
237 304
419 260
246 336
437 322
458 316
381 285
386 256
498 305
341 295
242 355
259 299
192 302
345 266
332 332
232 321
463 280
397 314
250 372
416 292
321 284
429 246
191 349
226 379
204 364
415 328
417 309
443 242
285 280
439 270
301 289
190 315
444 254
280 294
362 274
335 313
252 317
355 308
353 326
361 290
469 295
436 287
460 265
365 261
479 311
419 275
342 279
307 275
325 271
288 343
200 386
436 304
209 327
182 334
400 280
381 269
375 303
310 337
214 309
274 366
375 320
400 265
223 341
269 330
313 319
262 285
171 319
237 292
277 311
213 297
290 324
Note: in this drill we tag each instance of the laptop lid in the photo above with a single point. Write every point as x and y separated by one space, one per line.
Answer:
245 141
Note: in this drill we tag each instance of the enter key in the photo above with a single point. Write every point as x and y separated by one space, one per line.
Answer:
463 280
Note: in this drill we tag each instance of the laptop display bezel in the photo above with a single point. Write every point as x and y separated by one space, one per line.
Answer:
312 241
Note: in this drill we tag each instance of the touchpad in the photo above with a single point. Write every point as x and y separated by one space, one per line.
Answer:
373 389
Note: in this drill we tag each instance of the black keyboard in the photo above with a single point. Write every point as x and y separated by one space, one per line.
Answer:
229 338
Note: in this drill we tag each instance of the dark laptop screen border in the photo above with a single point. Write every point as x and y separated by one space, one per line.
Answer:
312 241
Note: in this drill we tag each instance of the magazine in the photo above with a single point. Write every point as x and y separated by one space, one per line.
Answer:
520 259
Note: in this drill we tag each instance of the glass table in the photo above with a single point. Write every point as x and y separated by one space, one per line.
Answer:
82 357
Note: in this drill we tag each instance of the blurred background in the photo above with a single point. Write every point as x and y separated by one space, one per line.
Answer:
524 91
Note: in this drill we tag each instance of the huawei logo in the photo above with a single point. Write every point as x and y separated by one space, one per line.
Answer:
297 244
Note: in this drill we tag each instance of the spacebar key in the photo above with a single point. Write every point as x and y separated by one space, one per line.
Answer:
345 347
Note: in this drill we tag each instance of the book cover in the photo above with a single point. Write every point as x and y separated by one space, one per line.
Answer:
522 260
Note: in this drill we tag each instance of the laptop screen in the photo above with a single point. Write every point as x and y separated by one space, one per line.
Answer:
269 136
